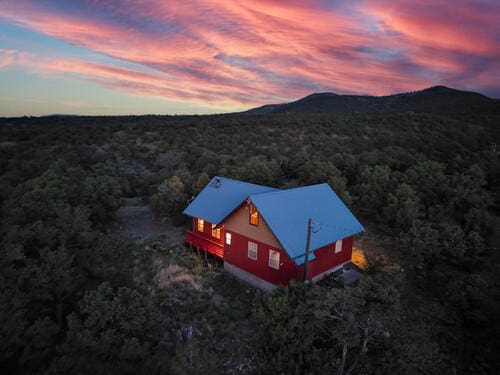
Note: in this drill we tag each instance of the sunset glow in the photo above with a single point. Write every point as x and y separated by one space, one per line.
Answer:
207 56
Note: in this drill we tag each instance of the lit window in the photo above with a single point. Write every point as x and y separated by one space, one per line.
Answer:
228 238
252 250
274 259
338 246
215 231
201 225
254 215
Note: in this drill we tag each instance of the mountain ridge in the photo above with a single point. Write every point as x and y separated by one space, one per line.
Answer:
432 99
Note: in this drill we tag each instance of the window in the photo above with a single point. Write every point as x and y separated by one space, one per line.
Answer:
228 238
254 215
215 232
274 259
252 250
338 246
201 225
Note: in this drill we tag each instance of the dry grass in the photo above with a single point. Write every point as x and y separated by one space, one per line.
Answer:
173 273
376 251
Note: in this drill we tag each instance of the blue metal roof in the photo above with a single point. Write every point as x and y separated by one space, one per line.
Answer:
286 212
220 197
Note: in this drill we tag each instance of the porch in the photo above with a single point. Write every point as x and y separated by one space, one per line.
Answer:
199 241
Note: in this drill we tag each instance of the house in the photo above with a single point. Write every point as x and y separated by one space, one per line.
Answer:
261 233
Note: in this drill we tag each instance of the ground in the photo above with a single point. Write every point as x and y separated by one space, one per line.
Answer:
376 250
210 304
136 220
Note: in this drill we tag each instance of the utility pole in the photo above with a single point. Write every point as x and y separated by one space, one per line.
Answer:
308 242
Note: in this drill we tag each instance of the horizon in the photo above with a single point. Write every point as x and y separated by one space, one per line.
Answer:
213 57
69 115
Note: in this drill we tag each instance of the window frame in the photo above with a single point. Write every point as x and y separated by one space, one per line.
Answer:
274 262
338 246
250 250
200 224
253 215
215 231
228 237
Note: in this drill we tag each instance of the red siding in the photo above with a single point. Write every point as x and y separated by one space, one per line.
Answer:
237 255
326 258
204 240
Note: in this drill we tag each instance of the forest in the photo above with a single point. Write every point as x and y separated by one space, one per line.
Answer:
77 298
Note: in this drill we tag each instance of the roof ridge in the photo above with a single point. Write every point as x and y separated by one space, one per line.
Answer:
292 189
240 182
286 212
220 196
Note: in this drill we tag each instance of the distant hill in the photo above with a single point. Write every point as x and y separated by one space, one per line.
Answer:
62 115
437 99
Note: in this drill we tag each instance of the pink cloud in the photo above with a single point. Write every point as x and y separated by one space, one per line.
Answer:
233 51
154 84
459 26
453 41
7 57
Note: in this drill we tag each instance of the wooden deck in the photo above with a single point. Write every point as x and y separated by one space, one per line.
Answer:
199 241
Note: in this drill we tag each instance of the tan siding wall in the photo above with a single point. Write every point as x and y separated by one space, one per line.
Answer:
238 223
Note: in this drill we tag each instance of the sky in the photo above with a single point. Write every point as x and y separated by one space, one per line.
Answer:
214 56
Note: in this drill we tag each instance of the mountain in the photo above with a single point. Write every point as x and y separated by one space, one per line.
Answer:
437 99
61 115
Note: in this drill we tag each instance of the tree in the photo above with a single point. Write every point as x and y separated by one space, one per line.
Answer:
55 278
14 308
403 207
170 197
113 331
469 200
42 238
200 183
374 184
286 326
429 179
40 292
427 244
316 330
102 194
351 320
348 164
191 358
111 259
261 170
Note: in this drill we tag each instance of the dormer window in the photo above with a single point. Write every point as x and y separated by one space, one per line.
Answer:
253 215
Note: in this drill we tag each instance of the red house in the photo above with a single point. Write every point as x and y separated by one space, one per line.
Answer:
268 236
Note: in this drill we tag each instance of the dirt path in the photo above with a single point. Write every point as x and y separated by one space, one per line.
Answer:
137 221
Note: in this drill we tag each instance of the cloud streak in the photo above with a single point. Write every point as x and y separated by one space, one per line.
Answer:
233 52
7 57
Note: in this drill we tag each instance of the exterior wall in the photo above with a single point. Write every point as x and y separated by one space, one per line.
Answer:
204 240
238 222
237 255
326 258
207 231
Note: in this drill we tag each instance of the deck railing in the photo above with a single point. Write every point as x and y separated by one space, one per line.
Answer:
201 242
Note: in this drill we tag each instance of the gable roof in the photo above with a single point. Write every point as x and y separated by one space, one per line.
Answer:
286 212
220 197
